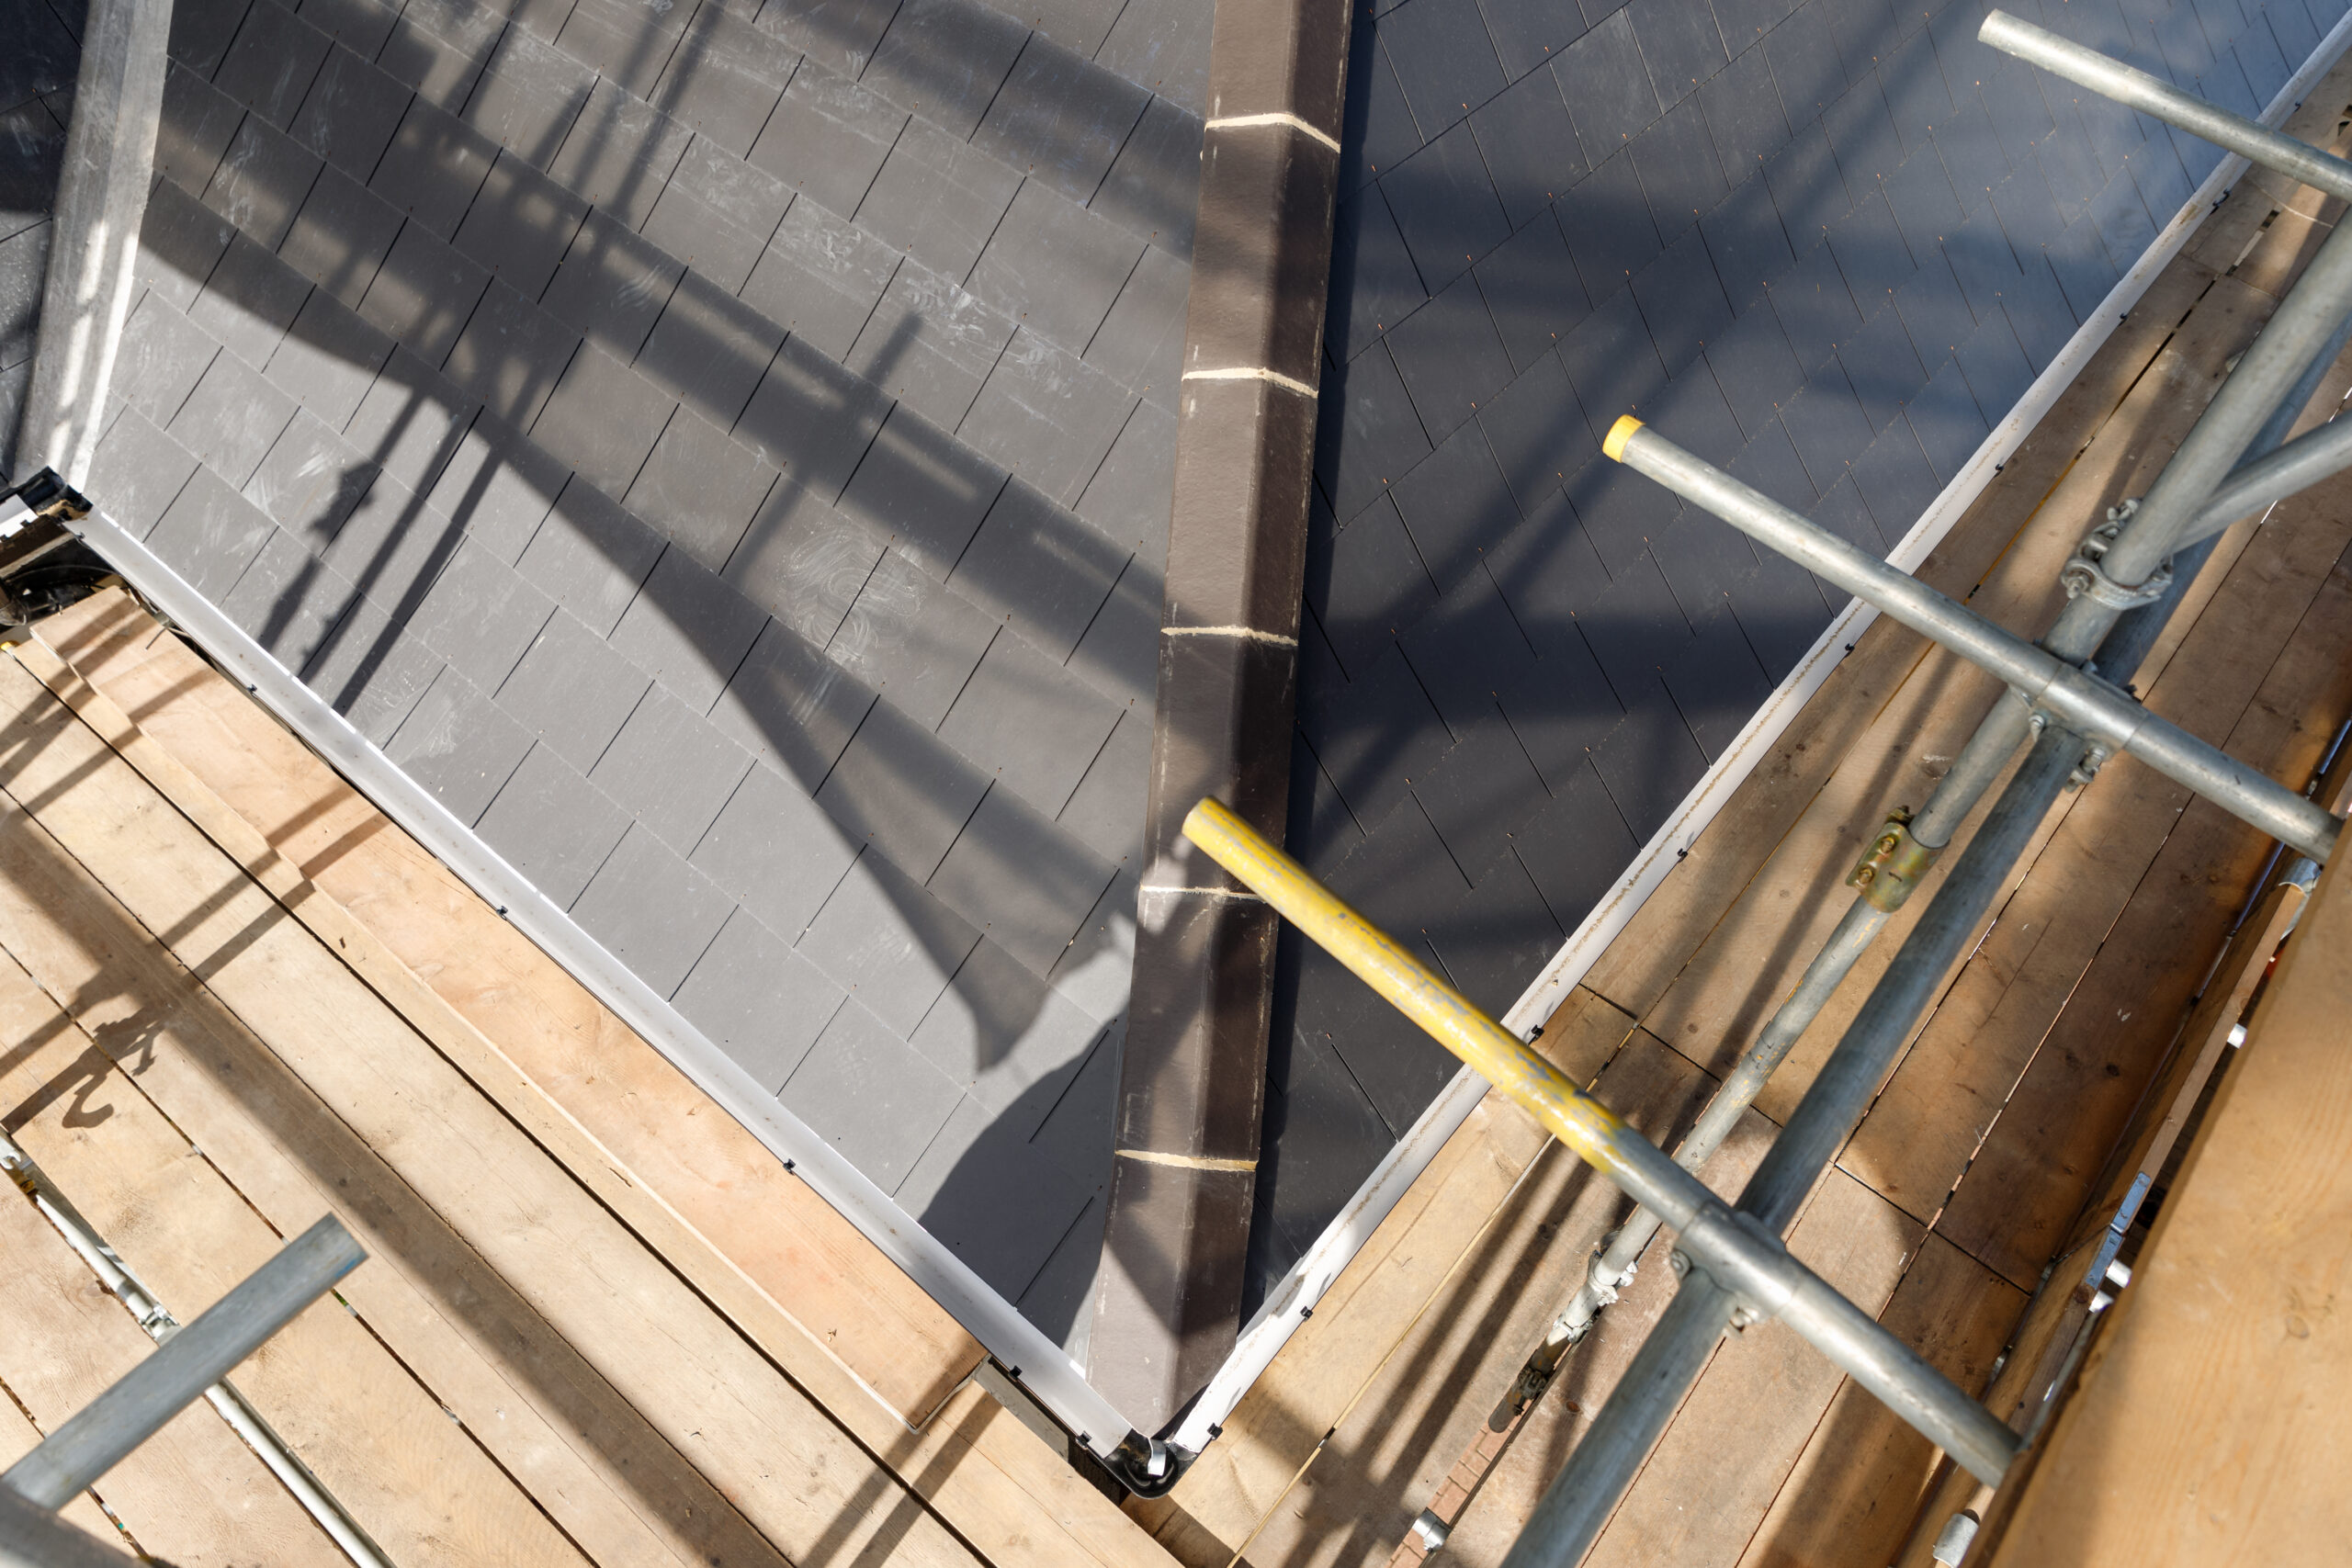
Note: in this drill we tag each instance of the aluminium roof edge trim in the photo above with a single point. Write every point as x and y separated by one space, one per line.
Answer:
1046 1369
1294 1295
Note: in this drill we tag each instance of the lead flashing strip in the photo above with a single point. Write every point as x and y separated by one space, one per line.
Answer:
1293 1297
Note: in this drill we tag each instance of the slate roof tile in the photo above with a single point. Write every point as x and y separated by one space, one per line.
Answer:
1442 58
1574 849
529 94
180 241
520 225
498 487
620 154
1609 230
1047 415
1682 301
1537 432
1754 367
946 59
1744 236
458 744
828 136
1530 145
358 24
1807 187
511 355
1154 184
1744 115
758 1001
1497 938
200 35
651 910
1680 175
1947 420
422 293
1451 357
198 119
912 638
1612 362
1042 573
688 629
140 470
341 237
611 286
1532 291
482 616
310 481
772 848
1120 652
718 213
1718 681
328 359
432 167
552 824
1883 368
231 418
1105 811
286 601
1804 62
1165 47
1693 412
700 489
261 181
1060 117
1379 736
1011 1043
1650 762
249 301
628 42
1129 496
841 33
1374 282
891 942
873 1094
1378 131
708 350
923 491
1679 43
1445 207
1140 342
603 418
164 354
1607 86
725 77
573 690
937 199
270 65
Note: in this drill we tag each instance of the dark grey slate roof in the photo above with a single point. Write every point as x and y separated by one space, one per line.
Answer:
36 101
723 449
1826 245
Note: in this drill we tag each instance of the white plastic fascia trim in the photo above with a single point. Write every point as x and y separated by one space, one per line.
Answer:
1294 1295
1046 1369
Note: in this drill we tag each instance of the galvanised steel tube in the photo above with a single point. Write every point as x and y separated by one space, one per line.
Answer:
2112 79
95 1438
2251 486
1735 1250
2077 700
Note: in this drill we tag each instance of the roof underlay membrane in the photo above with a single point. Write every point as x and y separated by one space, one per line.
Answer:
723 450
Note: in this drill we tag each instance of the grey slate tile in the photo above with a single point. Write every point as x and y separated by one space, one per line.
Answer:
1378 737
923 491
1322 1139
803 561
1825 424
1497 938
440 49
310 481
1054 266
1537 432
511 355
929 344
812 418
1527 34
1129 496
1971 154
821 278
1935 312
1374 284
553 825
1095 971
529 94
263 177
871 1094
1574 849
611 286
249 301
481 616
1079 26
208 533
1804 62
1692 411
1612 362
422 294
1744 115
946 59
1036 724
328 359
458 744
794 710
1445 207
1105 811
1042 573
1754 367
888 940
1749 246
996 1203
197 121
1871 254
1983 261
180 241
2036 308
758 1001
1947 420
670 770
1679 43
1619 238
828 138
1807 188
651 910
1894 480
1883 368
1844 512
1060 117
1369 434
1679 173
1649 762
718 213
1862 135
521 224
1530 145
708 350
841 33
1815 308
2071 166
700 489
628 42
1921 194
1048 415
1682 303
341 237
912 639
1996 367
139 470
1023 881
2122 220
1154 184
393 544
1474 797
1718 681
1140 342
1120 652
350 114
432 167
1165 47
270 65
372 672
572 690
286 601
620 154
1607 86
1442 58
903 791
499 487
1467 652
1451 357
589 555
411 421
772 847
200 35
688 628
724 78
603 418
163 356
938 199
1014 1043
232 418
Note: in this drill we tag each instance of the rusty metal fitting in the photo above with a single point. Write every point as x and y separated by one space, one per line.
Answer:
1892 865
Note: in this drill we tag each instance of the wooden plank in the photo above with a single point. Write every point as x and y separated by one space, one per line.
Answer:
419 1485
2034 1171
794 1475
995 1481
193 1492
1853 1492
1928 1122
2206 1425
1714 1476
720 1180
1384 1291
17 1435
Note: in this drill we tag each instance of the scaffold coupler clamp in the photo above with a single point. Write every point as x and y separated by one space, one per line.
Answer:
2083 573
1894 864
